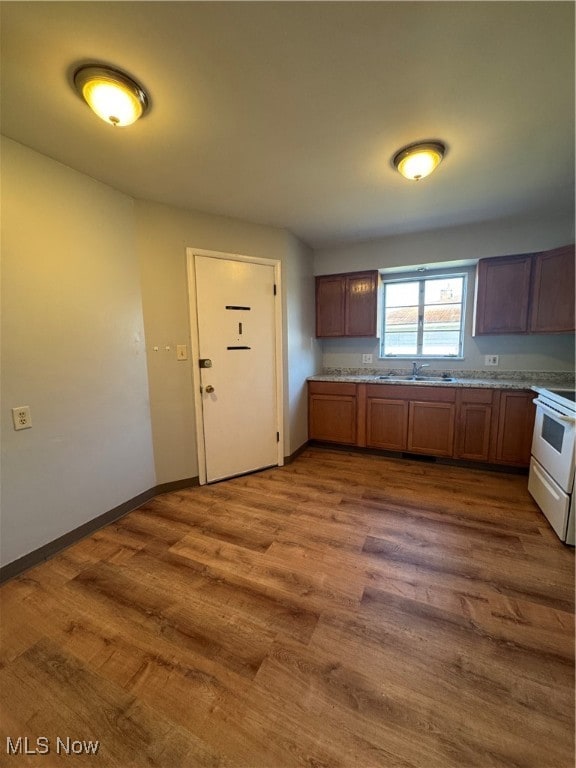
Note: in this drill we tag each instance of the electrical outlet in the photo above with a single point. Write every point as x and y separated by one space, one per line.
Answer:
367 359
490 359
21 417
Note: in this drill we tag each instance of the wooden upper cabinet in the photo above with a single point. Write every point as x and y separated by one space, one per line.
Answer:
503 294
530 293
553 292
346 304
360 312
330 305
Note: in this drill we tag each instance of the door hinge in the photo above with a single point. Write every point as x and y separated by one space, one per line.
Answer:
274 289
277 437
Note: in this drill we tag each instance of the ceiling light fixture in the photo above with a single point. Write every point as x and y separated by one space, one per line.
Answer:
111 94
416 161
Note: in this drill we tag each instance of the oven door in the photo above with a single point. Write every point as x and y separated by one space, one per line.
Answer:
553 444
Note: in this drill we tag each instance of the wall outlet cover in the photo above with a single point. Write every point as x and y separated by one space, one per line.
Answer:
367 358
490 359
21 417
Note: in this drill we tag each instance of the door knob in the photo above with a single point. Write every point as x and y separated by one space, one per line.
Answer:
209 389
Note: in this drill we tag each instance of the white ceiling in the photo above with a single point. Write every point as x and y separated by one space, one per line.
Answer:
287 113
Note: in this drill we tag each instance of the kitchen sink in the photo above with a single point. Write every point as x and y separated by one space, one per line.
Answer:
392 377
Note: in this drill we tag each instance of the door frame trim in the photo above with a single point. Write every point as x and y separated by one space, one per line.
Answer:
191 254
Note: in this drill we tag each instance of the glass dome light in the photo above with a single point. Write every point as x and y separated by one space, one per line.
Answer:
112 95
416 161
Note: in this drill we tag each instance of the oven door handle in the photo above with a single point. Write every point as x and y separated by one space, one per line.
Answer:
551 412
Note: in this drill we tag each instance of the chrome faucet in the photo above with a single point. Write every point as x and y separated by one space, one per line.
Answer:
417 368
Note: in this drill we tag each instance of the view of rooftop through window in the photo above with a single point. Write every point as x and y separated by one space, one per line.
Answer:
423 318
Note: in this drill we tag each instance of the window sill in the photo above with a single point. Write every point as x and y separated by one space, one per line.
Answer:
391 358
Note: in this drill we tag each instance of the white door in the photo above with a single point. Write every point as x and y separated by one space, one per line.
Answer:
236 315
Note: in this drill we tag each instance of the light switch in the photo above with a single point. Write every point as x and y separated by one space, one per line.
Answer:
181 352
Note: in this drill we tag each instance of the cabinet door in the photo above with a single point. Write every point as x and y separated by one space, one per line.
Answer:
330 305
361 304
333 418
553 292
473 441
386 423
431 428
346 304
473 424
332 408
503 295
515 427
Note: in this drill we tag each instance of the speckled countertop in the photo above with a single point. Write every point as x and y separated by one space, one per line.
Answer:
499 380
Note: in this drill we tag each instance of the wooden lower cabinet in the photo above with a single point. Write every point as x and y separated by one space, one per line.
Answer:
410 418
332 412
516 413
431 428
474 424
386 423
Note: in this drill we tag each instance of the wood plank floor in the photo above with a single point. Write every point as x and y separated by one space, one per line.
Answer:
347 610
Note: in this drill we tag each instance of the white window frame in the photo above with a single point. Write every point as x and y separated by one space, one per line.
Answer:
384 280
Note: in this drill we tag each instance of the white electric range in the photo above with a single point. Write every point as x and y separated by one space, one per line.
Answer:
551 479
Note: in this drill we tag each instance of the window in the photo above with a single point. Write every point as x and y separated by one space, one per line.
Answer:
423 317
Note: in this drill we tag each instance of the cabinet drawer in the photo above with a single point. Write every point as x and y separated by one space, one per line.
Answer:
331 388
389 391
480 396
412 392
434 394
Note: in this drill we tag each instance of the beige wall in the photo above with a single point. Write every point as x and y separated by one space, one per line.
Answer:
553 352
163 234
92 281
474 241
72 349
303 350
